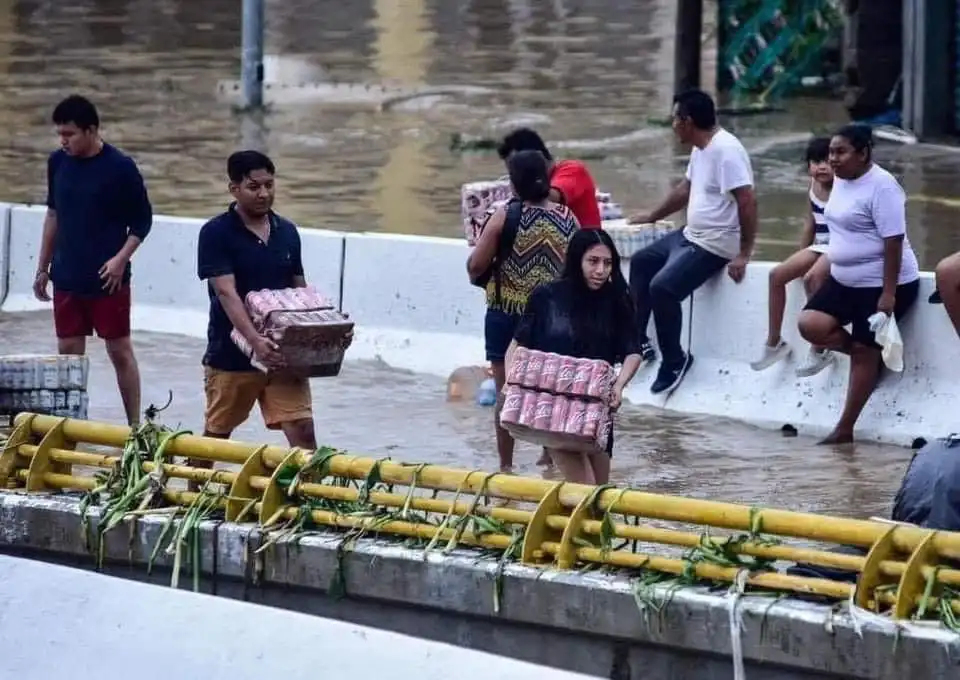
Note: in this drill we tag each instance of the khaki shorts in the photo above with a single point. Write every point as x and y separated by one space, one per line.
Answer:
232 394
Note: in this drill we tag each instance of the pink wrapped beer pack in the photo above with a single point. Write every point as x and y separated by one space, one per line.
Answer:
311 334
558 401
557 374
478 200
555 421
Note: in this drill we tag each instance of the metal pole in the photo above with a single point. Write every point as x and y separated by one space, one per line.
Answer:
689 30
251 68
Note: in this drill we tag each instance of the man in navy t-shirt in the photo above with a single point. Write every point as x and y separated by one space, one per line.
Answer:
247 248
98 214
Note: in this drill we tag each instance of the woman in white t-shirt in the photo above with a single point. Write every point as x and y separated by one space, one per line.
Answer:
872 268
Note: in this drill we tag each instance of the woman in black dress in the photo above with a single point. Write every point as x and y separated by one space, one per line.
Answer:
587 313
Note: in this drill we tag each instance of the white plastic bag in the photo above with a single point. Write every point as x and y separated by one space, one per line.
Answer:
887 335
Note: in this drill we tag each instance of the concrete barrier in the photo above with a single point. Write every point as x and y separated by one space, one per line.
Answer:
577 621
111 625
415 310
729 323
411 298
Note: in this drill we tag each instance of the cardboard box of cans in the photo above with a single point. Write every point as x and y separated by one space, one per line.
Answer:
43 372
312 336
479 200
558 401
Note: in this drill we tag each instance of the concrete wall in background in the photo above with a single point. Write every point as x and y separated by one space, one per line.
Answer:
415 310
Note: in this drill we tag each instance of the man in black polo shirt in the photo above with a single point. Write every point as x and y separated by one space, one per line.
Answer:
98 214
247 248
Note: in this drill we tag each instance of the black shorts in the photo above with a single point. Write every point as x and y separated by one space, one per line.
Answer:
498 330
856 305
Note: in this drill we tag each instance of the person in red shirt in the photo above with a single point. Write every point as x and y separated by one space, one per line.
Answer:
570 181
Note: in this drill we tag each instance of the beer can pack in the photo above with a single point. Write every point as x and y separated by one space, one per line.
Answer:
544 412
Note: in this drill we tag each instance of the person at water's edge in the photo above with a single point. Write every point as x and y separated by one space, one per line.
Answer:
718 193
246 248
98 214
540 230
872 268
587 314
570 181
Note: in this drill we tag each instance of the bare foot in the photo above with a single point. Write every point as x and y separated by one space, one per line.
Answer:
836 437
506 469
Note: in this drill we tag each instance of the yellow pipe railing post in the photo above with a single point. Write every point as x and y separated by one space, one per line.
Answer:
274 497
10 459
871 574
41 463
538 531
241 493
914 582
567 554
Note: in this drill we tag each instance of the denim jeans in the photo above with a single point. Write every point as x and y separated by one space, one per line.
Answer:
663 275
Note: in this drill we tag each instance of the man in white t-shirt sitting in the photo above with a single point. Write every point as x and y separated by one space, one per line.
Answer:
721 227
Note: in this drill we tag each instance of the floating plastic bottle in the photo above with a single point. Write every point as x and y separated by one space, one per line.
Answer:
487 393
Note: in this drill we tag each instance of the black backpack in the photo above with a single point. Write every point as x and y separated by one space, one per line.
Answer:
508 235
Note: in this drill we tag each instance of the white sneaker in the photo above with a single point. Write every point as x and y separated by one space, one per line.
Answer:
771 355
816 361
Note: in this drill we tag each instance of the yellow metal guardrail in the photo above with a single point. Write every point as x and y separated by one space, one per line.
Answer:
906 571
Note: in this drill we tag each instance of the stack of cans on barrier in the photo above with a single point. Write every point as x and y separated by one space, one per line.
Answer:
54 385
608 209
558 401
479 200
311 334
629 238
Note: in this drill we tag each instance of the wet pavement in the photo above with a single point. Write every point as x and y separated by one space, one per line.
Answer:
592 75
375 410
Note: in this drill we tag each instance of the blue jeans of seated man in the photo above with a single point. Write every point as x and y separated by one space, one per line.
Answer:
663 275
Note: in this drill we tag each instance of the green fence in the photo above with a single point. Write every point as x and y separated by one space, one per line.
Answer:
768 46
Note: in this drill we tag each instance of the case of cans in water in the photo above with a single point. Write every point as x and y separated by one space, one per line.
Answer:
311 334
558 401
61 403
54 385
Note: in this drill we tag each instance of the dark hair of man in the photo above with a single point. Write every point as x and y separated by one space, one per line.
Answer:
522 139
242 163
698 107
77 110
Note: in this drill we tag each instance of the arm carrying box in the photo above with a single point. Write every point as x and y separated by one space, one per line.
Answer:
311 334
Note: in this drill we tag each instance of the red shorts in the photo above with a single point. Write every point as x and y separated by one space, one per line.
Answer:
77 316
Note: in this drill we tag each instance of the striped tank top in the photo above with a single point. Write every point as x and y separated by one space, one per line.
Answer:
821 235
537 256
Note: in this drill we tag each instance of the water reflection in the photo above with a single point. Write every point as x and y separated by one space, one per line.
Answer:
591 73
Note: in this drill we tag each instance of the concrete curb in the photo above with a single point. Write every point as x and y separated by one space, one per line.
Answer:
587 623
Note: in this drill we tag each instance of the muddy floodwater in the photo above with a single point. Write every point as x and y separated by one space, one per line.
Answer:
593 75
371 409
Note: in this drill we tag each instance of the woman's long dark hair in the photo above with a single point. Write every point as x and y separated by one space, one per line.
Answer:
599 317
